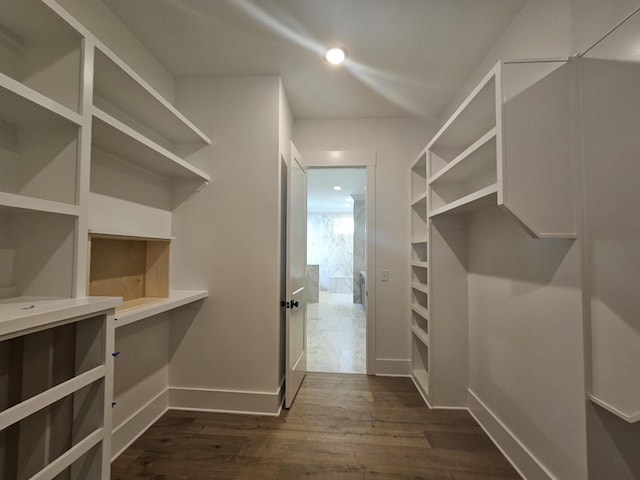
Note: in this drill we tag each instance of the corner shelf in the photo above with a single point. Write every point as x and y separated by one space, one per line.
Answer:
420 310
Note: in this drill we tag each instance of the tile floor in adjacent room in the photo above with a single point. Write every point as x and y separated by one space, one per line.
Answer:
336 334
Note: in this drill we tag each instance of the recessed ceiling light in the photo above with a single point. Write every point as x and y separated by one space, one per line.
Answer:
335 55
337 188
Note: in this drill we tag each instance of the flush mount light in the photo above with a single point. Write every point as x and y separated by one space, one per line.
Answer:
337 188
335 55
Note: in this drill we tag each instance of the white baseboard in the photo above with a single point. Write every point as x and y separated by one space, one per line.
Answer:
128 431
526 464
229 401
392 367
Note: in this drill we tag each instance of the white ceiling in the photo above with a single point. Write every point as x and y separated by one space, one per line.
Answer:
322 198
406 57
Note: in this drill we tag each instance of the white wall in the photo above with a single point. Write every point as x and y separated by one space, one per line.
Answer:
397 143
227 242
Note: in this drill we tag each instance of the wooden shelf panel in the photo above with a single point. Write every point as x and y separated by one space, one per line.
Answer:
469 203
139 309
115 137
23 106
419 240
478 158
116 82
420 264
17 203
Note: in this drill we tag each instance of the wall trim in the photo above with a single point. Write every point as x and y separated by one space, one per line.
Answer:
133 427
228 401
520 457
392 367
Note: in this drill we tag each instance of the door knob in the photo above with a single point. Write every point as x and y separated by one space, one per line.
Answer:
294 304
284 304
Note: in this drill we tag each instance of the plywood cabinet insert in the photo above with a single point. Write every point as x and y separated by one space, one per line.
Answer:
134 268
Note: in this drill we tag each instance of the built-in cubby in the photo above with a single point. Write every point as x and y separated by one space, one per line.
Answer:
136 269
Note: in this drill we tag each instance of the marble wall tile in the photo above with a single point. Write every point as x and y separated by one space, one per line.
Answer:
313 283
331 250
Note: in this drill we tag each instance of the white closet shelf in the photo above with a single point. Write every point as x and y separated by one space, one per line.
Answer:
125 235
23 106
420 264
117 138
419 240
469 203
20 315
420 200
420 310
420 335
473 117
117 82
20 203
421 287
629 417
479 157
141 308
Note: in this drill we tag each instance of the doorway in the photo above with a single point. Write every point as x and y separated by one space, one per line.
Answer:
336 266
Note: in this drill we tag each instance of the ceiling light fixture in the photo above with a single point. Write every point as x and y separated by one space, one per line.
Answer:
337 188
335 55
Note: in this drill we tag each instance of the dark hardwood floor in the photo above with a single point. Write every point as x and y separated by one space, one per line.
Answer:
341 426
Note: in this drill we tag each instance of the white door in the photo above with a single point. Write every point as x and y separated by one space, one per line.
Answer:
296 277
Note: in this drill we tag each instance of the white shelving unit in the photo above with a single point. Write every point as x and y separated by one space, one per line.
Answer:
55 395
85 144
508 145
475 162
419 275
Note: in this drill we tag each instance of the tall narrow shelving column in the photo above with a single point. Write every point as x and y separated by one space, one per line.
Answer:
419 276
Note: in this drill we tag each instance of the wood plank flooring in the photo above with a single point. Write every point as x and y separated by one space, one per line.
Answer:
341 426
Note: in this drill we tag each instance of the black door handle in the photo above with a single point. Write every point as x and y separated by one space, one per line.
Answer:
284 304
294 304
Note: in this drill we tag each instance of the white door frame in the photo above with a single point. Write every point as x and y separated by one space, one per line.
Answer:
358 159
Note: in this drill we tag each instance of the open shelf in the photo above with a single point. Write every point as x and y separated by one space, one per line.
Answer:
40 50
475 117
139 309
420 287
420 310
117 138
418 263
17 203
122 93
420 334
23 106
469 203
419 175
474 161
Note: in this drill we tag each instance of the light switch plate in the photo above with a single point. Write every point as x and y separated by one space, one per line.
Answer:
384 275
